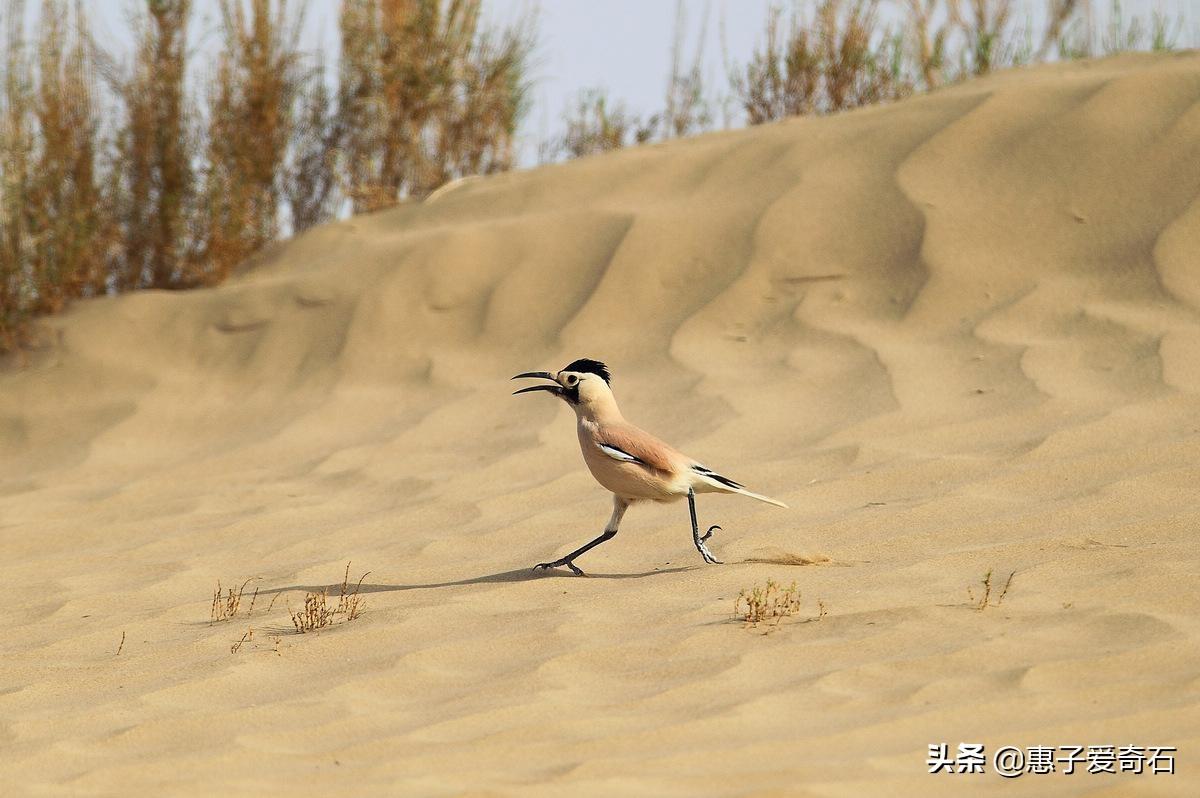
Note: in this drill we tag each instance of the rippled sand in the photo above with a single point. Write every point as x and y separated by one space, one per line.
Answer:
957 334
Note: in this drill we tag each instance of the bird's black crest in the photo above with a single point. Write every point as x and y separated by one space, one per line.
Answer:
587 366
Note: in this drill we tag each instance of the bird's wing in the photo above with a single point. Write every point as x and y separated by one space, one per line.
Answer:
633 445
617 454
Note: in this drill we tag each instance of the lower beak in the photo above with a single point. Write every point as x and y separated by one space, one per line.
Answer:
555 389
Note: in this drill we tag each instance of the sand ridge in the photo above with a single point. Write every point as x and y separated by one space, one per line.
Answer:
955 334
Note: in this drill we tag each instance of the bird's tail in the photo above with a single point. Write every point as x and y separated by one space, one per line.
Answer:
760 497
719 484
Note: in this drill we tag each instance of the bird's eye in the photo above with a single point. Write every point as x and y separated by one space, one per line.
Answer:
571 380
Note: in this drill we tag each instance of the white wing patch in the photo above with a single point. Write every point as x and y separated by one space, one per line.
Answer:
617 454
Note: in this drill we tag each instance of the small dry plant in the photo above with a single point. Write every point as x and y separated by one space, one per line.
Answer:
228 604
317 614
762 604
246 638
350 604
596 124
984 599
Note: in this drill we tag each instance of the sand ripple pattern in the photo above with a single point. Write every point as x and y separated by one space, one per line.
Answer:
955 334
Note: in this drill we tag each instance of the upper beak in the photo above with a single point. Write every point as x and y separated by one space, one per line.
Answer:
555 389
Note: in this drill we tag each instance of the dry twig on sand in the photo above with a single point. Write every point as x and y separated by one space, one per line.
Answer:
985 598
246 638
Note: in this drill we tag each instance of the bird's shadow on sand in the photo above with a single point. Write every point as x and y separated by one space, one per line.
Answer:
515 575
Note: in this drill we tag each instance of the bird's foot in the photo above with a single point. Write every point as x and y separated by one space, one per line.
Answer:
703 549
708 555
558 564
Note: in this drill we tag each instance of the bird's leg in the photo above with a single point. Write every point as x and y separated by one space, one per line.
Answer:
696 537
610 530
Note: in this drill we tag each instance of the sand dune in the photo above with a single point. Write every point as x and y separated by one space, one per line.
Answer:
955 334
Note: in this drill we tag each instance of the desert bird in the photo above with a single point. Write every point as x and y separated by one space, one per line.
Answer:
626 460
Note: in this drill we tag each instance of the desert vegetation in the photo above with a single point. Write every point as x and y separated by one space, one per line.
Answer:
317 611
826 56
228 604
317 614
984 598
123 171
146 169
770 604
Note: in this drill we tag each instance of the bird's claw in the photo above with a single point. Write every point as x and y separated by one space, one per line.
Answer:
703 549
559 563
708 555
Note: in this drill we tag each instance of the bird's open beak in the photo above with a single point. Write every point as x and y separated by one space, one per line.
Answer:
555 389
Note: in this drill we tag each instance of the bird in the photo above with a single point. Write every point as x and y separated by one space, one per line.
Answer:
628 461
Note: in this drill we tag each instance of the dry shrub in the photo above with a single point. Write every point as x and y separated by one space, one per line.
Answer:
317 614
687 110
312 179
196 192
594 124
984 599
64 198
975 37
1121 34
771 603
927 37
53 233
253 96
989 40
350 604
838 59
759 604
226 605
173 192
156 152
426 96
950 40
18 153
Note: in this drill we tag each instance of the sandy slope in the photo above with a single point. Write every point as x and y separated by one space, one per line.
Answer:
957 334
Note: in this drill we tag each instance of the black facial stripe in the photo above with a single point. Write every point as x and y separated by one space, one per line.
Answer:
571 394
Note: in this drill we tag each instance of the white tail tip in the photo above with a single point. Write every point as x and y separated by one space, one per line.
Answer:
762 498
